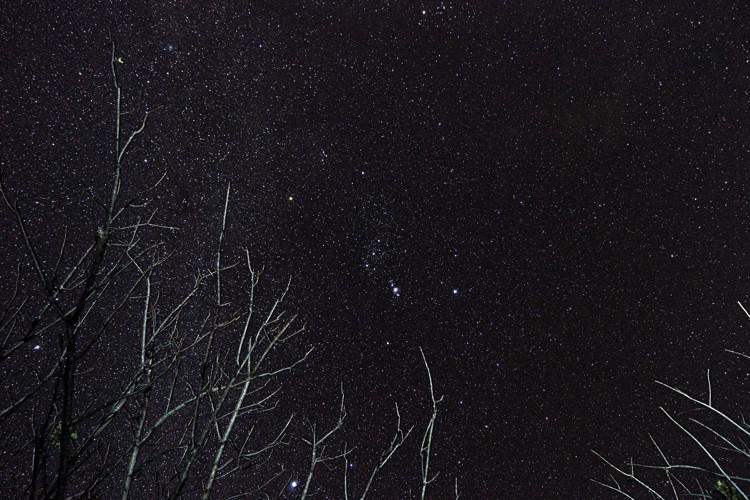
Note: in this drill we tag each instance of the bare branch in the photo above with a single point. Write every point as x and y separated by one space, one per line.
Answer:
318 447
426 446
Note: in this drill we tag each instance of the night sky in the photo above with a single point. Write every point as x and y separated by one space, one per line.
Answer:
549 197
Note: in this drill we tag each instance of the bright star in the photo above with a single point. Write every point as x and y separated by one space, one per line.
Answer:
293 484
455 291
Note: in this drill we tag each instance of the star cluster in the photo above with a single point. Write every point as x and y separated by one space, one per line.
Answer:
551 199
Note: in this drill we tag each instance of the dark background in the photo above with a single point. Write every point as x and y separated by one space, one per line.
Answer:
557 190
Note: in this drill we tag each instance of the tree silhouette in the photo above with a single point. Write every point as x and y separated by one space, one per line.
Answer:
721 440
194 402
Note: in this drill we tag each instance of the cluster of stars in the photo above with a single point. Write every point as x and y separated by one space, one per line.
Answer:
395 290
409 139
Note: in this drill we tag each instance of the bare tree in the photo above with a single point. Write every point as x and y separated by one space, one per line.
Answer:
719 437
399 437
79 442
318 443
193 398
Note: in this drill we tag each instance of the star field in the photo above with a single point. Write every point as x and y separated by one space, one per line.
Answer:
550 199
